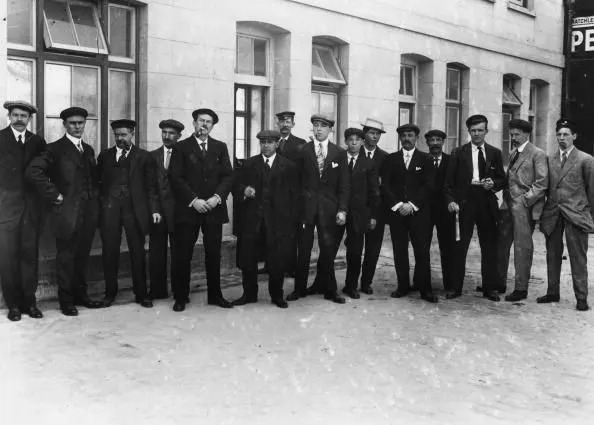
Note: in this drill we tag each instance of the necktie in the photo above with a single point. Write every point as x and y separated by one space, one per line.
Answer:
122 156
369 155
482 164
320 158
281 145
20 139
406 160
203 148
351 164
563 159
513 160
268 164
167 158
436 163
79 147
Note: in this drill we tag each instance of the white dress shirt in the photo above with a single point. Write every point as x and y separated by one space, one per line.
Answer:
17 134
200 142
567 152
119 152
324 144
76 142
475 166
406 154
368 152
166 151
269 158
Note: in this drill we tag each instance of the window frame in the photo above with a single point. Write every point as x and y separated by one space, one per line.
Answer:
26 47
33 121
325 80
253 37
409 98
451 104
247 116
123 59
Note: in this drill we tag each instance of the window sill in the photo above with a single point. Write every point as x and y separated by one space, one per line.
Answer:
252 80
521 10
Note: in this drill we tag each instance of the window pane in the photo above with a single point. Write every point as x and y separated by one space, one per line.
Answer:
315 102
120 31
257 110
329 64
453 85
239 137
405 113
452 122
57 88
20 19
408 80
240 99
20 79
245 56
91 135
121 89
85 89
260 57
317 71
328 104
53 129
58 22
86 27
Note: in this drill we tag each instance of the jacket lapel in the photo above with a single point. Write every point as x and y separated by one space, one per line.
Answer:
161 159
569 163
133 158
330 155
522 157
468 156
72 151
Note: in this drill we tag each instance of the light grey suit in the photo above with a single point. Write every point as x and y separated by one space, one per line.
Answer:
569 207
523 202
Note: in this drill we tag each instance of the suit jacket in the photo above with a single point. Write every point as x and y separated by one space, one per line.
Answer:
365 197
17 195
378 159
60 170
193 176
438 198
527 180
571 192
459 175
166 198
400 184
291 149
329 193
142 183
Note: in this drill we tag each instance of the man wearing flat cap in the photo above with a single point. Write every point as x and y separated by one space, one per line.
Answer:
441 219
325 191
475 172
373 130
200 175
20 218
407 181
268 190
523 200
568 209
163 231
66 178
129 200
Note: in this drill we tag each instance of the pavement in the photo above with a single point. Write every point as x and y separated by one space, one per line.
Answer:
375 360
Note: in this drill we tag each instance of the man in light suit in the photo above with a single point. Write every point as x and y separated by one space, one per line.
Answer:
523 200
568 208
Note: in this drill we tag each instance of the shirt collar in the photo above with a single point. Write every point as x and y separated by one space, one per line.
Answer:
17 134
409 152
77 142
323 142
523 146
433 158
270 158
119 150
475 147
202 141
566 151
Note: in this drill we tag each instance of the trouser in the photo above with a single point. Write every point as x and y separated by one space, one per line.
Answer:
445 224
120 213
186 235
354 250
577 247
373 246
158 242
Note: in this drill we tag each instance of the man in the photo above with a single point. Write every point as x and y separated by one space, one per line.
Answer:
268 190
523 201
164 230
20 218
441 219
201 177
568 208
325 193
407 180
66 177
129 199
362 209
373 130
474 174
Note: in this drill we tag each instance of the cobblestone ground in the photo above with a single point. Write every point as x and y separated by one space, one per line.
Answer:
375 360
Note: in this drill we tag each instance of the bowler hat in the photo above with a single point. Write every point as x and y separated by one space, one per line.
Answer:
202 111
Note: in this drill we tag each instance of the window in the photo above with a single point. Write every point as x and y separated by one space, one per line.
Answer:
532 108
249 119
408 93
511 104
407 80
324 66
521 3
506 116
21 27
21 82
251 56
324 102
122 37
453 105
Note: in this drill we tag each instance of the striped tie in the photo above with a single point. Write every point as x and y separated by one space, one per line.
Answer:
320 157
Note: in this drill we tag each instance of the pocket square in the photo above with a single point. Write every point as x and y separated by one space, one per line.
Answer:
334 164
417 168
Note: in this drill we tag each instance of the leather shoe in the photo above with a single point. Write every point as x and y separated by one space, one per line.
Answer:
492 296
220 301
179 306
399 293
582 306
450 295
335 298
88 303
429 297
545 299
414 288
158 296
14 315
244 299
313 290
294 296
146 302
352 293
280 303
501 289
69 310
107 302
367 290
516 296
33 312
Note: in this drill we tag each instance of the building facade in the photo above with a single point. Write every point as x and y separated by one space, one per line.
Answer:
431 62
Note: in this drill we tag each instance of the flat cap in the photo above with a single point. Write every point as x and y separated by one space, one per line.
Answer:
353 132
202 111
373 123
563 123
268 134
284 114
436 133
519 124
408 127
323 118
21 104
74 111
123 123
171 123
476 119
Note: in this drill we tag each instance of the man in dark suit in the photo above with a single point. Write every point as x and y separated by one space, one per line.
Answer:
475 172
568 209
129 199
407 181
268 190
164 230
325 193
201 177
20 218
362 210
373 130
66 177
441 219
